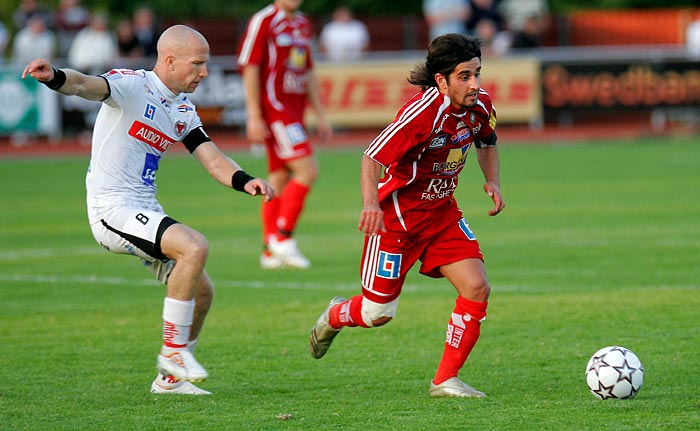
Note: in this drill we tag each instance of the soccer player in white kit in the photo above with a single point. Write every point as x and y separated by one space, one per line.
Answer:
143 114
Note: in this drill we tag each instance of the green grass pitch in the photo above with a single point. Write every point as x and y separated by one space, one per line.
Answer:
599 244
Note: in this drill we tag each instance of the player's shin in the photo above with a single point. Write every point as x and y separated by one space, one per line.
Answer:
463 331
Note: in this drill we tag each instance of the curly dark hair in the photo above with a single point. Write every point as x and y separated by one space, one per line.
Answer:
444 54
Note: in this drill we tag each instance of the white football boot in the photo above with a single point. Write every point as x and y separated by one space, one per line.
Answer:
170 385
270 261
182 365
453 387
288 252
322 334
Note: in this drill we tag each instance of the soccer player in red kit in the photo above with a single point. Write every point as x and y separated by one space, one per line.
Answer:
410 212
279 83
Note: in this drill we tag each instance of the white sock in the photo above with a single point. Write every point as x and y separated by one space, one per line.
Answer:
177 319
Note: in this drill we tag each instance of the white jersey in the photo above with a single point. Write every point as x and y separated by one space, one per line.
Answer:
136 124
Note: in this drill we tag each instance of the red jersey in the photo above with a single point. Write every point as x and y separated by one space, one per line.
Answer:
424 150
281 47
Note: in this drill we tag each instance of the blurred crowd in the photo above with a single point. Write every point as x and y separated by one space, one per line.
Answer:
88 40
501 24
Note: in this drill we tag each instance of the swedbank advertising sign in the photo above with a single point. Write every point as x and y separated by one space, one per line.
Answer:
620 86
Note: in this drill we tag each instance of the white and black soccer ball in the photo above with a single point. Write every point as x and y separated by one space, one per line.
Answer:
614 372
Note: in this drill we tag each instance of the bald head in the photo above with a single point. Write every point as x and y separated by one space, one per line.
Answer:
183 54
179 37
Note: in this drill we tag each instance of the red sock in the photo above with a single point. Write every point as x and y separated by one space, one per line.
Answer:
270 211
291 204
348 313
463 331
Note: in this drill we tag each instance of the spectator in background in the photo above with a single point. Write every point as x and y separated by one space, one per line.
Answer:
446 16
4 39
127 42
146 30
692 38
33 41
527 20
94 47
485 9
28 9
496 43
93 50
344 38
71 17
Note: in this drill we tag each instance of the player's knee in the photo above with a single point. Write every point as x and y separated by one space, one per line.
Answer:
381 321
375 314
197 247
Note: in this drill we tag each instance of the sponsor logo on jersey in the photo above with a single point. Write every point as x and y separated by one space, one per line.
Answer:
148 90
389 265
455 160
461 125
283 39
150 111
439 188
460 136
180 127
438 142
442 123
150 136
164 102
185 108
112 75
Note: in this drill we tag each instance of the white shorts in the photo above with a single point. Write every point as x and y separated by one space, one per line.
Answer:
136 232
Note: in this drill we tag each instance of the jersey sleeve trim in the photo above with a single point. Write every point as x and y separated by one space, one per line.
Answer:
109 89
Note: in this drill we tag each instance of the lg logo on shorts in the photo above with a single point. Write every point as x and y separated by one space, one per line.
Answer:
389 265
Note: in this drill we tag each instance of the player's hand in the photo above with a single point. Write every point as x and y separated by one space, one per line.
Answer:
256 130
494 192
39 69
325 130
259 186
371 220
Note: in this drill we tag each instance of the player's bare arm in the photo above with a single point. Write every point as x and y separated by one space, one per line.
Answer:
489 164
222 168
256 130
372 216
75 83
325 130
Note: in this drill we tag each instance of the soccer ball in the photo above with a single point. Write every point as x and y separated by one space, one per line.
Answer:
614 372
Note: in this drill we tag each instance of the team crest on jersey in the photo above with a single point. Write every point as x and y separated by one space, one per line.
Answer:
150 111
180 127
472 117
438 142
185 108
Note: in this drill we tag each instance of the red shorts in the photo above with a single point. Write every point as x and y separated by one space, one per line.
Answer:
387 258
288 141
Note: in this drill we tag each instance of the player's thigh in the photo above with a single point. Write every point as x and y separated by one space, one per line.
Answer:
179 241
386 259
468 276
133 231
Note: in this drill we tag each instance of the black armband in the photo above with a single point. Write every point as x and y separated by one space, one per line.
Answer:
59 78
489 141
240 179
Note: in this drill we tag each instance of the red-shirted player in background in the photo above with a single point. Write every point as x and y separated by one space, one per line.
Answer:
410 213
279 82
